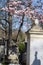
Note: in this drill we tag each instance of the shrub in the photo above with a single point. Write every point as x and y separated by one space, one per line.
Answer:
21 47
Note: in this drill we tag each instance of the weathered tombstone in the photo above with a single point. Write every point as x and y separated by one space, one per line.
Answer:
35 46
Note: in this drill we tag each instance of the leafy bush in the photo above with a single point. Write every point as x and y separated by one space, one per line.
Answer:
21 47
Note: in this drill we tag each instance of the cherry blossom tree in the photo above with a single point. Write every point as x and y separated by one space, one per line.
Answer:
22 9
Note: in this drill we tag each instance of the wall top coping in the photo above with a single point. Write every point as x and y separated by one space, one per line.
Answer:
36 30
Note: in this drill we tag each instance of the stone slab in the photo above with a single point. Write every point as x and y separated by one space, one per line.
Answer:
36 50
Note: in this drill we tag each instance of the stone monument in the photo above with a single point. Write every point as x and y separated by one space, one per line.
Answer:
35 46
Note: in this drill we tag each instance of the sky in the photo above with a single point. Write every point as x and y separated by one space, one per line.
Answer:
16 21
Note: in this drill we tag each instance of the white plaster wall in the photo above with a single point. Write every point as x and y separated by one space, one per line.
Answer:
36 44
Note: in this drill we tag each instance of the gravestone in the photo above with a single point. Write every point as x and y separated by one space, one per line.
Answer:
35 46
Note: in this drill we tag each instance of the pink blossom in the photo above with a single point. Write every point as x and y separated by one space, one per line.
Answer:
5 9
41 20
19 2
35 11
14 3
18 12
11 9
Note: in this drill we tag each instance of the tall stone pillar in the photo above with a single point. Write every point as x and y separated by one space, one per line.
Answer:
28 50
35 46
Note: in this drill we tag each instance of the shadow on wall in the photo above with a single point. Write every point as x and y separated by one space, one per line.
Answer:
36 60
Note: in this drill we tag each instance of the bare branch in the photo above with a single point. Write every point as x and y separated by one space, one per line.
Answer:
20 25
